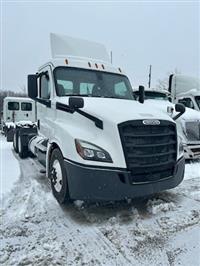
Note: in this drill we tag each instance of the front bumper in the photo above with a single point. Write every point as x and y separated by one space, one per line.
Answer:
192 151
92 183
97 184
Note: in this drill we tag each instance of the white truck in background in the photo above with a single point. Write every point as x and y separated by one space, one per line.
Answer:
17 111
186 90
95 141
188 124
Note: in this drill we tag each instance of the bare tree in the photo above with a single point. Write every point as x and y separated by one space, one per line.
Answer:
163 84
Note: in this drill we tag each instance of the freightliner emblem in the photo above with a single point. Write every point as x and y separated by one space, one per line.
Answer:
151 122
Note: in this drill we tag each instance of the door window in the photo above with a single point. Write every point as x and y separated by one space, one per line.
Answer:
44 87
120 89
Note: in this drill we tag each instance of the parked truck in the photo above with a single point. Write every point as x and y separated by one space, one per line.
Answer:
94 139
17 111
186 90
188 124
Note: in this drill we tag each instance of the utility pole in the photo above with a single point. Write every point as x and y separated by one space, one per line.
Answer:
149 83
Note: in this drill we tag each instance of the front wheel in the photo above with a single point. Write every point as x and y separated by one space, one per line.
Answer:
58 177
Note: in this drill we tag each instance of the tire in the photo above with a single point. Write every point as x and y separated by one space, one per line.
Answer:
9 135
22 149
15 141
58 177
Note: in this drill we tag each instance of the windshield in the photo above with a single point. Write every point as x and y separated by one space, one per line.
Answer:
153 95
197 98
91 83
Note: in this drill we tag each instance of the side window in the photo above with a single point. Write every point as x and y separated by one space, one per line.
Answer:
13 106
86 88
44 87
64 87
26 106
187 102
120 89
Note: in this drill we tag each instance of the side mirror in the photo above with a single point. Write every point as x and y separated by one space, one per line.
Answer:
32 87
76 102
179 107
141 94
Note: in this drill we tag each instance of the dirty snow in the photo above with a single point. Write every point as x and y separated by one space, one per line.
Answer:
161 230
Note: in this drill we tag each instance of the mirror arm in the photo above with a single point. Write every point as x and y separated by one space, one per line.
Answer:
177 116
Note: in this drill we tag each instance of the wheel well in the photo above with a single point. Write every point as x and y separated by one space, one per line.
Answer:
53 147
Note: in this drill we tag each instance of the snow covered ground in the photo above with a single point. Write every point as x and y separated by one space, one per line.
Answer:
10 171
35 230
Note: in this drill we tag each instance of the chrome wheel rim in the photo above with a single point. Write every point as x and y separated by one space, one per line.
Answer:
56 175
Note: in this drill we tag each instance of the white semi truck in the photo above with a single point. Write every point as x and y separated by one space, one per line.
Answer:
186 90
17 111
94 139
188 124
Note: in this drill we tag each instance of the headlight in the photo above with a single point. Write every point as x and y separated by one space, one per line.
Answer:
170 110
180 148
89 151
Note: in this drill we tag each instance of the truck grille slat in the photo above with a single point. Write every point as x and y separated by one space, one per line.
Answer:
150 155
150 150
149 145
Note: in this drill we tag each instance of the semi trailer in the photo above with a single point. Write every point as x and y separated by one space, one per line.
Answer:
94 139
17 111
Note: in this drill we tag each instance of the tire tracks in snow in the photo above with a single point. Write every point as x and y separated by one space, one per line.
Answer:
34 206
37 230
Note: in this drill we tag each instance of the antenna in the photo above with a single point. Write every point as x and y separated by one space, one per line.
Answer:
149 83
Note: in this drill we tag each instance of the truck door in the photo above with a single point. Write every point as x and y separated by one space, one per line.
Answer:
45 112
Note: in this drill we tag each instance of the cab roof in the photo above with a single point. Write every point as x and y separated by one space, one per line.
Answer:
12 98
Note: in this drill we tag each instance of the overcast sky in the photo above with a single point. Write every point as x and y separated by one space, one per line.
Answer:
165 34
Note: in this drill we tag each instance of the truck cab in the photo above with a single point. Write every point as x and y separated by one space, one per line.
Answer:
94 139
186 90
188 124
17 110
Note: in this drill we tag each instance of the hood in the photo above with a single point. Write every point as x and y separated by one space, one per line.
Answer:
120 110
189 114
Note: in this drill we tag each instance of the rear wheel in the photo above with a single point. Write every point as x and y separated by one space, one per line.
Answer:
23 149
15 141
58 177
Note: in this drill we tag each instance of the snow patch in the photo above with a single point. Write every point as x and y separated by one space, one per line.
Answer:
9 170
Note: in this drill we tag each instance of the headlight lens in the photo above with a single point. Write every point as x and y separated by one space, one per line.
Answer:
89 151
